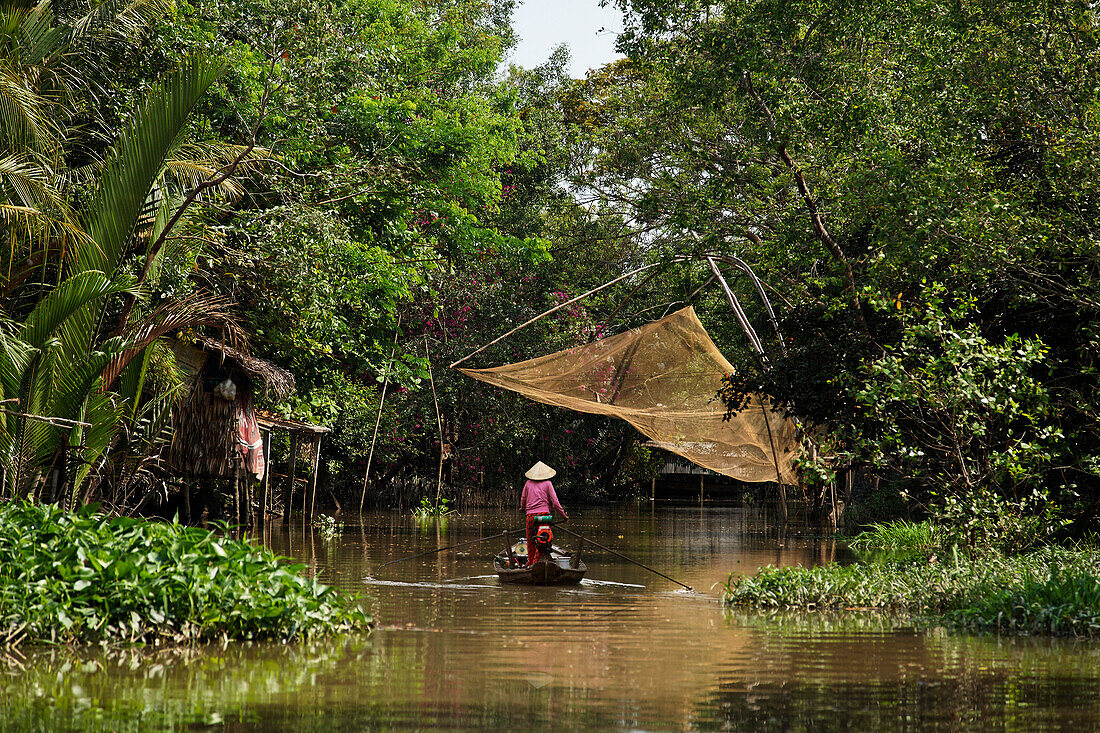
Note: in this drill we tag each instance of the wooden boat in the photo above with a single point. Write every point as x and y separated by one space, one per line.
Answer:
563 568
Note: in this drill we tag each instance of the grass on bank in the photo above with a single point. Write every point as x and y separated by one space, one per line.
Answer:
68 577
899 536
1051 590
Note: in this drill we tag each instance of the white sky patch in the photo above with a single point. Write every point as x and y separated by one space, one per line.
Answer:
584 26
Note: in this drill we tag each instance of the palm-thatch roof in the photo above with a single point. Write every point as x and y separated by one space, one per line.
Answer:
208 422
277 380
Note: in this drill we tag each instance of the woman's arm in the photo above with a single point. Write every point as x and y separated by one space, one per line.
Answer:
554 499
523 496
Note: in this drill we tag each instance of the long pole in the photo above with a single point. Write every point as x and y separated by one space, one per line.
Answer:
451 547
378 419
624 557
438 422
738 262
775 458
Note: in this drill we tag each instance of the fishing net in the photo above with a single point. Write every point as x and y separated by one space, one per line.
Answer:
662 378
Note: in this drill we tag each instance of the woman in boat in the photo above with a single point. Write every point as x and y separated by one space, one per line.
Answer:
537 500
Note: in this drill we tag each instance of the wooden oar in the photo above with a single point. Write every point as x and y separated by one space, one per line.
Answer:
624 557
451 547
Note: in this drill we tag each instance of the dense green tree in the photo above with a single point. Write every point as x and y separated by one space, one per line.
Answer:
871 160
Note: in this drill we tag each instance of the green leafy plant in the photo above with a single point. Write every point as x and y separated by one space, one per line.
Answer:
429 509
899 538
981 519
328 527
82 576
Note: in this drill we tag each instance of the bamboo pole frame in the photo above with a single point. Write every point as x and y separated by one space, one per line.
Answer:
712 259
288 490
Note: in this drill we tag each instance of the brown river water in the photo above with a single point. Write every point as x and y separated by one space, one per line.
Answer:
625 650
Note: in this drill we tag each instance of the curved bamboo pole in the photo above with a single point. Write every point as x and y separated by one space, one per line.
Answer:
559 306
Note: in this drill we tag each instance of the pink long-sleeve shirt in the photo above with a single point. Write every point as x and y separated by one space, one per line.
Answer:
538 497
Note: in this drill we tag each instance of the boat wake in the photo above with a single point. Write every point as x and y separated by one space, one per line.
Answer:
589 581
458 583
471 583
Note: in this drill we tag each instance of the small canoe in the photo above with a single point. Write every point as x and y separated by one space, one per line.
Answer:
563 568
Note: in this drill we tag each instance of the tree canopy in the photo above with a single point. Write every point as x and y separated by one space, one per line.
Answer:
336 183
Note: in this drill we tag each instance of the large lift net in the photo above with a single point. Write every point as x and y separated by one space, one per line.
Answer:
662 378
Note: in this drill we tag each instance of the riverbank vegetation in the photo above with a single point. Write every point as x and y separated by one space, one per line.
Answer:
360 193
1050 590
918 569
83 577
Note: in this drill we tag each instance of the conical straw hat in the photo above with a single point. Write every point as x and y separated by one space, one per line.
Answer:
540 472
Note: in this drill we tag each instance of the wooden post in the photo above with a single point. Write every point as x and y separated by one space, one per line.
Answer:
63 478
305 492
288 491
834 514
775 460
241 480
701 477
313 481
186 501
378 419
264 493
237 509
438 422
653 489
249 508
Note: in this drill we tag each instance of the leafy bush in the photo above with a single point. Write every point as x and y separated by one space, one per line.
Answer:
84 577
1052 590
981 519
957 412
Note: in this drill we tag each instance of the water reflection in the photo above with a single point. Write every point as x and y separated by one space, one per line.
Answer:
625 649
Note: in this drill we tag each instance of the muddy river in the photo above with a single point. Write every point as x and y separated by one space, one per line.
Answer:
625 650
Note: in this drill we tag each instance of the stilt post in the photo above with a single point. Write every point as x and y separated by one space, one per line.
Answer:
288 491
265 485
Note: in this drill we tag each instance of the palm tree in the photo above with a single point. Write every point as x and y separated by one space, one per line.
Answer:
54 361
63 346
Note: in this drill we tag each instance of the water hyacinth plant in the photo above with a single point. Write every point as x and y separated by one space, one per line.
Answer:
429 509
1052 590
328 527
69 577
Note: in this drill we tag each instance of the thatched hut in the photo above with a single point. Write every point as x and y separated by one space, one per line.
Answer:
217 435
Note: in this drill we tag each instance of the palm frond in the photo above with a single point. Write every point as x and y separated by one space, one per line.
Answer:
195 310
35 32
31 206
190 173
121 18
24 115
136 162
64 302
89 444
